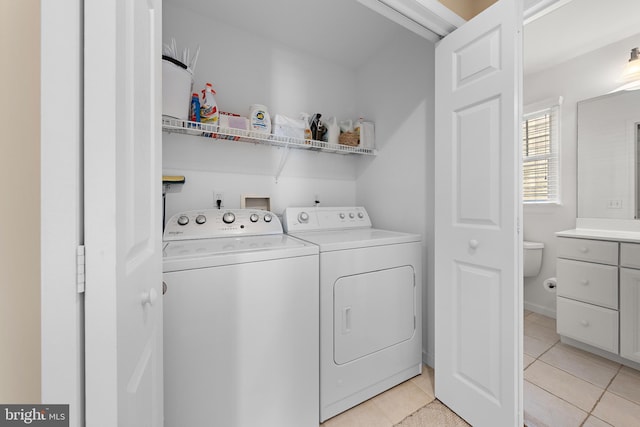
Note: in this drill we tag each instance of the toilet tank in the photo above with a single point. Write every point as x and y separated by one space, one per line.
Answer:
532 258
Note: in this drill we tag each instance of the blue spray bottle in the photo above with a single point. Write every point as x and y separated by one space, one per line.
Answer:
194 113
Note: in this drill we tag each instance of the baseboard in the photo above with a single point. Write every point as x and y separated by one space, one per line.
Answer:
540 309
427 359
600 352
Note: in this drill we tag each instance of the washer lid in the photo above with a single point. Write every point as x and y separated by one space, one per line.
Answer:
338 240
202 253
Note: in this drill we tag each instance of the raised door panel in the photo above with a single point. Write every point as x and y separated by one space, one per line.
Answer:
630 314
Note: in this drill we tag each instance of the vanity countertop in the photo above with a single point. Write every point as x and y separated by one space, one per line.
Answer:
596 234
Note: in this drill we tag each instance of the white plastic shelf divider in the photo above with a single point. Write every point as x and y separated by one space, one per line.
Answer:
212 131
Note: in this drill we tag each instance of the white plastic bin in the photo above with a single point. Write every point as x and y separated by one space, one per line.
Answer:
177 84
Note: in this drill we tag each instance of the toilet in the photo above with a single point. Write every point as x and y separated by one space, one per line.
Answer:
532 256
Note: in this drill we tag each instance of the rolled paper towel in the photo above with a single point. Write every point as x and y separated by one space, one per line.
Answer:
550 284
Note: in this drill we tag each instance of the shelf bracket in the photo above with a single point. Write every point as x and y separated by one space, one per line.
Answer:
283 162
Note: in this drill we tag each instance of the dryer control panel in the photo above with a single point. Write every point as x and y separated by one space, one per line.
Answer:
213 223
324 218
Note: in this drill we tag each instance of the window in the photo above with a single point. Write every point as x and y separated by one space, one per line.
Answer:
540 155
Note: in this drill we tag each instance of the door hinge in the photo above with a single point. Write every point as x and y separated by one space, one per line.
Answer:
80 269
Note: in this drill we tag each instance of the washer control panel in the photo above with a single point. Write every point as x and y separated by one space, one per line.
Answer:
324 218
213 223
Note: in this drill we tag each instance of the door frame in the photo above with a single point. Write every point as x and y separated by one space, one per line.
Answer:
62 208
62 345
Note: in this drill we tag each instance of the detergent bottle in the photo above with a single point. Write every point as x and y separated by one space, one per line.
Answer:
209 109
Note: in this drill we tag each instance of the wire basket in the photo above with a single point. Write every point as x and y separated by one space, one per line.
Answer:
349 138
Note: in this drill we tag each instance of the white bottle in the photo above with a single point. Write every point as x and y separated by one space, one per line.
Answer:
209 109
259 120
333 131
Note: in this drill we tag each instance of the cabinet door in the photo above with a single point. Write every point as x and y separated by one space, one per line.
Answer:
630 314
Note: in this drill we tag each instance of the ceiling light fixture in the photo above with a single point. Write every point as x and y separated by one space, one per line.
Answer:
631 71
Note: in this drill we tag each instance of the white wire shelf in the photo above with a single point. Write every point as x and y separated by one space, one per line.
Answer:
212 131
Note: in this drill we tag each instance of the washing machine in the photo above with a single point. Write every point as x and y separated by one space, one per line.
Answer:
370 303
241 325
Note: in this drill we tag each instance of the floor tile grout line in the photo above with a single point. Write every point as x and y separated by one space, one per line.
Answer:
613 392
560 398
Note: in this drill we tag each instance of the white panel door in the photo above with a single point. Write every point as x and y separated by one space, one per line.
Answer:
478 274
123 210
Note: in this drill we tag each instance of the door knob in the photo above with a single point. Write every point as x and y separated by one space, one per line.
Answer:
149 297
473 243
164 288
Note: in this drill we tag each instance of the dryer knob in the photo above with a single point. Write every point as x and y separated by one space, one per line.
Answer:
267 218
228 217
303 217
360 215
254 218
352 215
341 215
183 220
201 219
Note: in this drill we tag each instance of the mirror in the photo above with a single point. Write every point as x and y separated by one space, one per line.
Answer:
608 172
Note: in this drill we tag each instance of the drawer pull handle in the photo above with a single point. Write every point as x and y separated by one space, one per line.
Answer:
584 282
584 323
473 244
584 250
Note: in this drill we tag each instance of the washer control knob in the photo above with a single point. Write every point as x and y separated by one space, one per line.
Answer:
360 215
228 217
303 217
254 218
201 219
341 215
352 215
183 220
267 218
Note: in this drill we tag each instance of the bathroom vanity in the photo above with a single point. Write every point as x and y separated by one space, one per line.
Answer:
598 293
598 263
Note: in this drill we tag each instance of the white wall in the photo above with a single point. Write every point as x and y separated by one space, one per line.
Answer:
580 78
20 218
246 69
396 91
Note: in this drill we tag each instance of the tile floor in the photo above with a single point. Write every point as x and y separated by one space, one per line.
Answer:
567 387
563 387
390 407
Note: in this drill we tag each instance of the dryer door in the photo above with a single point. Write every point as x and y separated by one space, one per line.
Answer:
373 311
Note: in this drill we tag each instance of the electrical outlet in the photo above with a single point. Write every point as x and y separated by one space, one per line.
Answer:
218 195
614 204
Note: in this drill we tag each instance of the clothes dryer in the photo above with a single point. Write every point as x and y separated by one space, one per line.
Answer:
240 322
370 303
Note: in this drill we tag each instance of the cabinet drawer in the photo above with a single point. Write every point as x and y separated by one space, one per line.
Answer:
588 282
588 250
630 314
630 255
590 324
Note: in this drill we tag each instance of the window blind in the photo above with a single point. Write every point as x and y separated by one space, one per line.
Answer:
540 156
